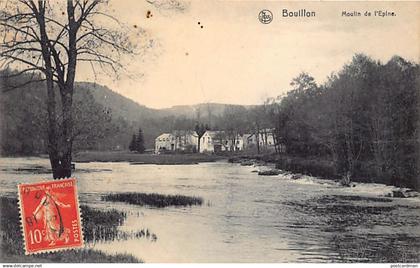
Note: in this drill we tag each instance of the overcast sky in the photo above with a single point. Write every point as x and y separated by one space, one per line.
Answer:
236 59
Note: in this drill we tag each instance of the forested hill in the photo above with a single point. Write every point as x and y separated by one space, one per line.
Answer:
105 120
121 106
202 110
133 111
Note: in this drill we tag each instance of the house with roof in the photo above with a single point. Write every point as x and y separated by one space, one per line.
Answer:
165 142
177 140
236 143
186 140
219 141
212 141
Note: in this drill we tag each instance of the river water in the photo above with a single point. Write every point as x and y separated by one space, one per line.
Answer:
244 217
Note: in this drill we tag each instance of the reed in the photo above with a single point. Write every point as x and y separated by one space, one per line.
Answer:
153 199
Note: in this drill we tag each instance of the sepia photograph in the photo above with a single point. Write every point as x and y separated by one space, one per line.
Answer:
209 131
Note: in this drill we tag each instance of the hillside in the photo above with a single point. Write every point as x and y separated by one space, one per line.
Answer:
119 105
107 119
154 121
204 110
134 112
24 121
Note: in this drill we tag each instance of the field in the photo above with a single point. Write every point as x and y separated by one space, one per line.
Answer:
135 158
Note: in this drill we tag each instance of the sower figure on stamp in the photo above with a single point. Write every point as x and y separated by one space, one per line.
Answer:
53 221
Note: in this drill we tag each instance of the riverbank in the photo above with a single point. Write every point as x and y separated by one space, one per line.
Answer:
138 159
312 167
286 219
321 168
95 222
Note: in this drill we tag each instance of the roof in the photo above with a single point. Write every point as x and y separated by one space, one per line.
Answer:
184 132
164 136
213 133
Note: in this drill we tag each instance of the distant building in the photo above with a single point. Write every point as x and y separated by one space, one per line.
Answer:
178 140
219 141
211 141
165 142
236 144
265 139
216 141
186 140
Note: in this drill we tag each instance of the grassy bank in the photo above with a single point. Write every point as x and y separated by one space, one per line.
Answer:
364 171
318 167
154 200
94 221
135 158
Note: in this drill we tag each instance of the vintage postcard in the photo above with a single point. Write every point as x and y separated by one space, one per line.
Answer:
209 131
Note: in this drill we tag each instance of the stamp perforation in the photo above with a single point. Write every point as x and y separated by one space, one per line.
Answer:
23 227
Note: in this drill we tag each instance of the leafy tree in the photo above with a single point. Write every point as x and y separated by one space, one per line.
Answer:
364 118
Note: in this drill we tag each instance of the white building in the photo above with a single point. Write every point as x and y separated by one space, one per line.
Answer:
218 141
211 141
165 142
186 140
178 140
236 144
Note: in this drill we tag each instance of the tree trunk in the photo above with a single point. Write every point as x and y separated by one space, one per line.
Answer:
53 142
349 143
66 90
275 140
53 137
257 137
67 137
376 148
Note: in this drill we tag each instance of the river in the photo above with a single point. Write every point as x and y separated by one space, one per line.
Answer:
244 217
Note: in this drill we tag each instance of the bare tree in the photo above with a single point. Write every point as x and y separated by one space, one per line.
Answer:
49 39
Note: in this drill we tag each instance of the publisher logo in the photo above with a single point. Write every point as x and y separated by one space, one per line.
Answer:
265 16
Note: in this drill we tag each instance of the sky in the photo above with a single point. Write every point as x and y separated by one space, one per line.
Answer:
236 59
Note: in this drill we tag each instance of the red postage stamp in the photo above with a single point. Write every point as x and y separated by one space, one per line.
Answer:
50 216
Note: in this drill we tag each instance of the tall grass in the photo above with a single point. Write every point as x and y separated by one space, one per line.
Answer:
154 200
101 225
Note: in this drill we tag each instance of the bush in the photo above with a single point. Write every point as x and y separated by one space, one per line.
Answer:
312 167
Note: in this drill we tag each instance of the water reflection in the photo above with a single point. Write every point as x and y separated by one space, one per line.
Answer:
244 217
356 229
